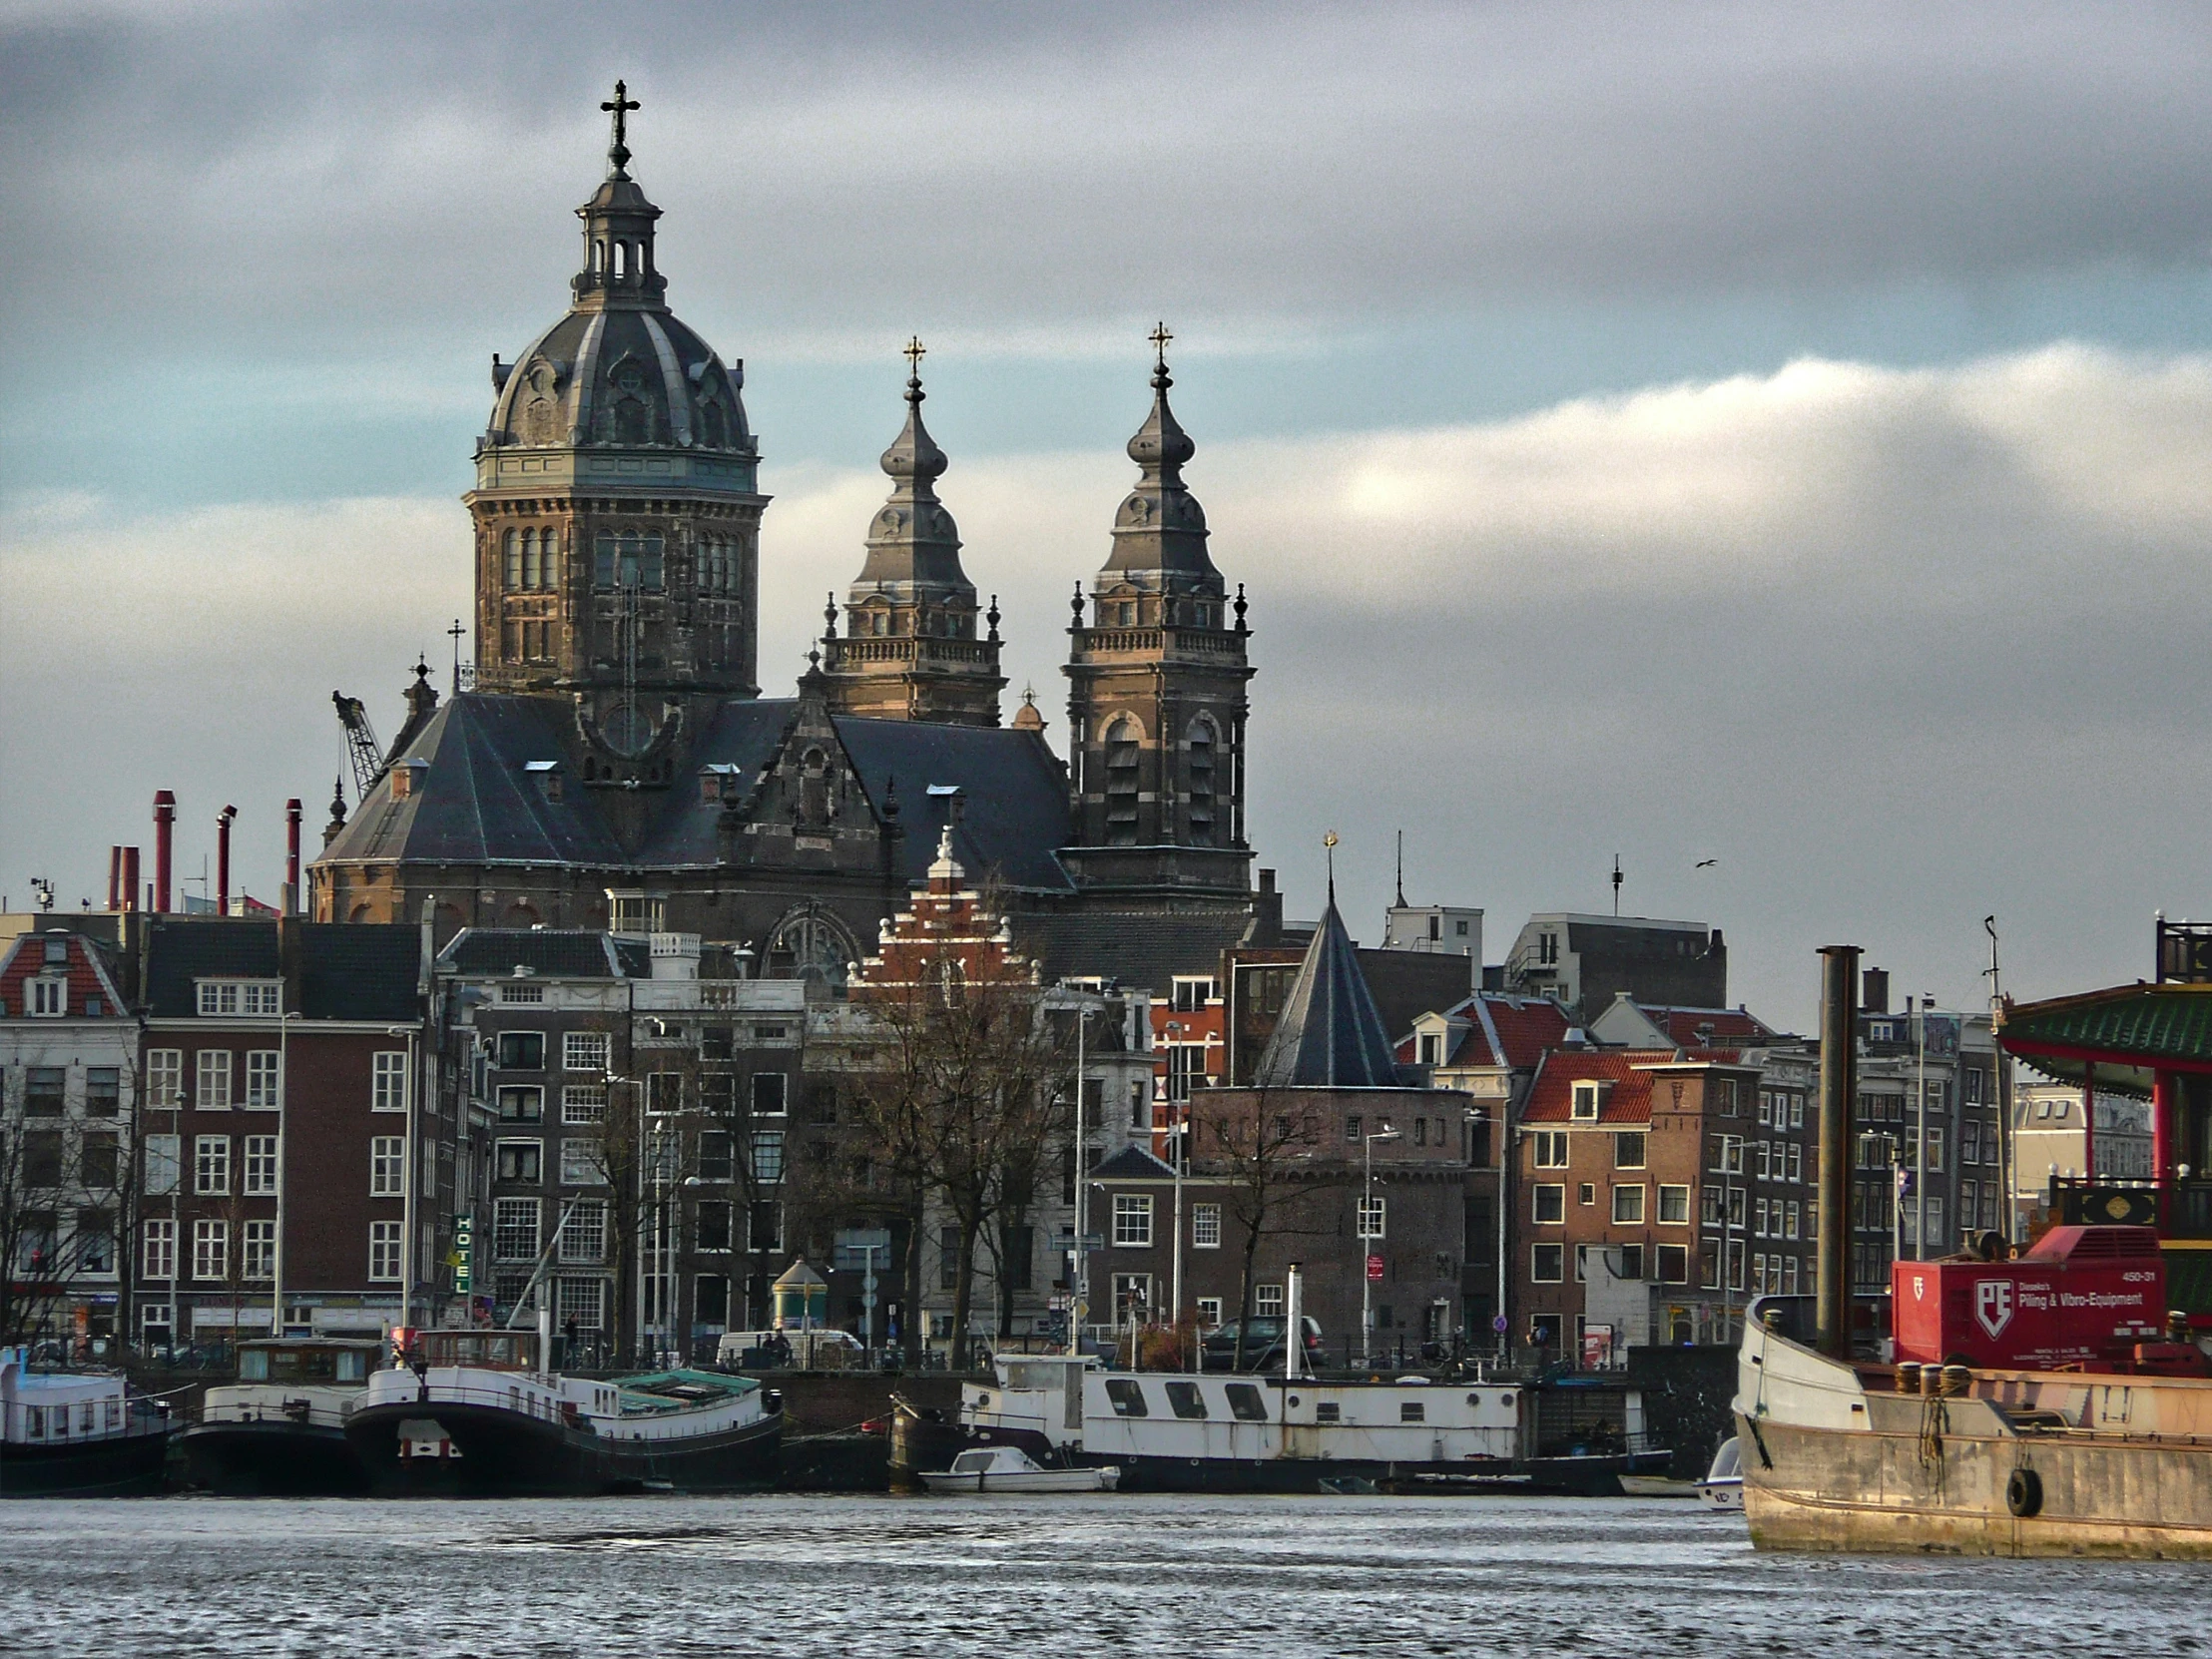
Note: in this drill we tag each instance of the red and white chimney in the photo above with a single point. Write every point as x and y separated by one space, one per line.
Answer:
164 836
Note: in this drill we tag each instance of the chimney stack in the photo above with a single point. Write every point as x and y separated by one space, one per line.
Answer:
292 856
222 859
165 838
114 877
133 897
1839 1088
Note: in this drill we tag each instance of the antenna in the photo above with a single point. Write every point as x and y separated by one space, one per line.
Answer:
1616 883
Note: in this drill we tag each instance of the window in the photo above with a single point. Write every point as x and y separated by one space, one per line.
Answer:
1127 1395
49 998
1797 1163
584 1051
1935 1152
1431 1049
584 1232
163 1153
97 1162
764 1228
1674 1264
44 1089
103 1091
712 1225
1551 1205
1969 1139
1629 1206
1628 1151
1588 1097
583 1103
513 992
1551 1149
1186 1401
520 1161
1352 1127
215 1080
262 1079
580 1162
210 1165
219 998
768 1091
157 1257
1133 1219
42 1158
1206 1227
1209 1313
664 1092
210 1250
521 1103
1585 1192
1789 1219
164 1076
1373 1217
1766 1107
522 1051
514 1230
768 1156
261 1166
387 1166
388 1081
1547 1264
384 1252
717 1160
258 1249
1673 1206
1266 1301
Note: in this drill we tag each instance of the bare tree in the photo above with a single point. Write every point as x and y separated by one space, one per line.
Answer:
1265 1155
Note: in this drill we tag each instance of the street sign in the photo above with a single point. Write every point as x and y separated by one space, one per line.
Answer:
1500 1324
859 1249
868 1301
1375 1267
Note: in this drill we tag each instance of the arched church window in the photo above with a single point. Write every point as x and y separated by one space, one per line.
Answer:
649 563
549 559
529 558
1201 742
812 944
1123 738
710 425
512 561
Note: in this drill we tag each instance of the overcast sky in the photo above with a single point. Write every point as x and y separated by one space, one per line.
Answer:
1774 435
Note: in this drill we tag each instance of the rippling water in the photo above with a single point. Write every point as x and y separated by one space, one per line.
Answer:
1007 1577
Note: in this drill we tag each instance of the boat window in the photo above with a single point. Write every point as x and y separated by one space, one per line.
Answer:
34 1423
1128 1397
1245 1402
1325 1410
352 1365
971 1462
254 1365
1411 1411
1186 1399
1474 1399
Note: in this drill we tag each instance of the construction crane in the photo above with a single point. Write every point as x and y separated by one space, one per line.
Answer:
361 742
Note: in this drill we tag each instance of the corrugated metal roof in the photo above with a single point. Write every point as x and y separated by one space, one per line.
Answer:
2137 1026
560 952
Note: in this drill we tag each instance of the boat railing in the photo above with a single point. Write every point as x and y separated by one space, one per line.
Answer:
2178 1209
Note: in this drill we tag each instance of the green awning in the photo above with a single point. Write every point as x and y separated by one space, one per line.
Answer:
2127 1032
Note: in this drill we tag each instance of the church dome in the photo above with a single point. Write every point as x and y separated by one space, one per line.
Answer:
619 371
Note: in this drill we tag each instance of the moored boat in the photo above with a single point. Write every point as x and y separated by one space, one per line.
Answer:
1723 1485
1009 1469
470 1413
77 1433
281 1429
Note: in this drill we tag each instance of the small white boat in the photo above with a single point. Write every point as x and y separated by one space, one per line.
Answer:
1723 1485
1007 1469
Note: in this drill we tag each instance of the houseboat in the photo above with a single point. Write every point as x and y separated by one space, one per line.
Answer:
77 1433
476 1413
1290 1434
281 1429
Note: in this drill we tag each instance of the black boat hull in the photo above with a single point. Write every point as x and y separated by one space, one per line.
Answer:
505 1454
124 1465
273 1460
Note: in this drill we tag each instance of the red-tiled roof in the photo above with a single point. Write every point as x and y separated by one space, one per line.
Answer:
1629 1070
25 961
1728 1025
1525 1027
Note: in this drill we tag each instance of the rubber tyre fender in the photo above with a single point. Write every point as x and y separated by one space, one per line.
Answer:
2023 1494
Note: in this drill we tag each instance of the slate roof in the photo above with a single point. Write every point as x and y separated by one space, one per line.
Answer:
2126 1032
1140 951
349 971
1133 1163
475 805
1331 1035
1014 815
564 954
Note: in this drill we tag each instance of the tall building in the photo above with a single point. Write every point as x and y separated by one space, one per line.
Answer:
616 767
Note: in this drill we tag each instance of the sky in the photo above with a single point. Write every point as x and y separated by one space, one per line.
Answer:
1779 436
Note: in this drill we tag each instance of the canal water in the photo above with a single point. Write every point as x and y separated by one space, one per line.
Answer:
853 1578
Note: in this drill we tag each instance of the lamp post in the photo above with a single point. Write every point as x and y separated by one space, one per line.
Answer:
1367 1236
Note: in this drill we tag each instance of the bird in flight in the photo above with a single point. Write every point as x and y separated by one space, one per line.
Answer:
1705 864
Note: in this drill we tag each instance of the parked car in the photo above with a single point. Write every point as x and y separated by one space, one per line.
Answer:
1263 1348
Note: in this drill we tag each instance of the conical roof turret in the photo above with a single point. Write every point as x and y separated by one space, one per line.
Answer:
1331 1035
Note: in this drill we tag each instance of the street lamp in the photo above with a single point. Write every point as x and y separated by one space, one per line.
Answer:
1367 1235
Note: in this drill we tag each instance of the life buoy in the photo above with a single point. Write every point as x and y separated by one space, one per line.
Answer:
2023 1494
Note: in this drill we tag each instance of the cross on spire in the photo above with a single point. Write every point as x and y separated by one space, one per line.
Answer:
915 351
1160 337
620 105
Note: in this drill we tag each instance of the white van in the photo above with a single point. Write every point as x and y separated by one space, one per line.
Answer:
810 1349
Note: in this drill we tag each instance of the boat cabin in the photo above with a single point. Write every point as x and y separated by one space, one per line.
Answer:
471 1350
309 1363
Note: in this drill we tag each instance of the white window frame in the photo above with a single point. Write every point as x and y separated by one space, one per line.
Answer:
1266 1301
498 1149
49 998
384 1252
210 1166
164 1164
579 1163
583 1241
1372 1218
1629 1198
158 1251
387 1080
1558 1272
1666 1189
165 1077
210 1251
503 1208
1206 1228
1557 1191
1133 1221
387 1166
586 1051
1551 1149
258 1251
212 1074
265 1079
1209 1313
260 1171
583 1103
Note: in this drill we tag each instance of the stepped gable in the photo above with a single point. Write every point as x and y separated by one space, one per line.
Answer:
1331 1035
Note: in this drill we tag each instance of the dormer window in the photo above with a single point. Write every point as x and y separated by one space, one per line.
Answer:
1431 1048
254 998
48 1000
57 950
406 778
1590 1099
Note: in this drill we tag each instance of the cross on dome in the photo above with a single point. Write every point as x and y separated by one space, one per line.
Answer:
620 105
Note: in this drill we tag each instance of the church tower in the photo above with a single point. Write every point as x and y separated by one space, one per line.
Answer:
910 650
1156 700
617 519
